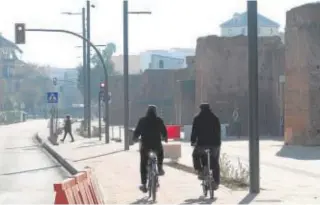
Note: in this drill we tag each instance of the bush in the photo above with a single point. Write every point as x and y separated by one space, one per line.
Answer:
232 175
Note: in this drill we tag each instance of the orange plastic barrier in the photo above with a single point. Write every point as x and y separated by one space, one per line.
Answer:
93 188
64 192
83 184
82 188
173 132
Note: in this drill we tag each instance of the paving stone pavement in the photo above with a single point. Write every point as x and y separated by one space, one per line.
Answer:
118 174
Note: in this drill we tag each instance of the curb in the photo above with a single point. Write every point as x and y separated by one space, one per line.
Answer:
70 168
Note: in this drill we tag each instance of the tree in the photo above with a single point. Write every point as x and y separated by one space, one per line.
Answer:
34 84
97 72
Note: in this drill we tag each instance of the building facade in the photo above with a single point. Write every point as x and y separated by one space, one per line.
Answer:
174 58
237 26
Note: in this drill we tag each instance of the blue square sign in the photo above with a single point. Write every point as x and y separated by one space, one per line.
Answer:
52 97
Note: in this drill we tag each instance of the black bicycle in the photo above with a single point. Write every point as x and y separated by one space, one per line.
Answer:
153 173
208 181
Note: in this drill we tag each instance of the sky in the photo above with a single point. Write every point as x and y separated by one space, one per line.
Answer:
173 23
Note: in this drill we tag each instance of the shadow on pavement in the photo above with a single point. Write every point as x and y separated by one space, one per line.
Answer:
97 156
144 200
200 200
30 170
299 152
30 147
248 198
246 138
90 145
181 167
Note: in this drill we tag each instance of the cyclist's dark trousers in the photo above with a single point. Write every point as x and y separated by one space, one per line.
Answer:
144 161
200 160
65 135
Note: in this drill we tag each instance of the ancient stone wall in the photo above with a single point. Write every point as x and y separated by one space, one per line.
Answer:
117 102
303 75
221 65
158 87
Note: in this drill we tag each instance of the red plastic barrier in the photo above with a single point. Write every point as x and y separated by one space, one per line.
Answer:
173 132
64 192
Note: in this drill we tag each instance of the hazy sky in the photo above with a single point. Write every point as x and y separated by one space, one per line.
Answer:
173 23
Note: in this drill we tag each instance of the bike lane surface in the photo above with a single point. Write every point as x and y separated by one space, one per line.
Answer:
27 173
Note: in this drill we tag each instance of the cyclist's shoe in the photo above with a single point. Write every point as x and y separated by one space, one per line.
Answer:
143 188
161 171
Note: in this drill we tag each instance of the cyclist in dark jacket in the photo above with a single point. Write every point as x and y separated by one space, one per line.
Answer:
151 128
206 134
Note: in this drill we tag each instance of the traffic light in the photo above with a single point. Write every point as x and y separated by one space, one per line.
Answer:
20 33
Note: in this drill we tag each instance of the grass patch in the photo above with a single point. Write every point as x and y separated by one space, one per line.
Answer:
233 176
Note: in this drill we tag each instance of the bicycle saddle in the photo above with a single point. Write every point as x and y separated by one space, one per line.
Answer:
207 150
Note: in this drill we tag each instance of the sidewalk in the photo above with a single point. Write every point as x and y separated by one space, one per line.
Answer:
111 165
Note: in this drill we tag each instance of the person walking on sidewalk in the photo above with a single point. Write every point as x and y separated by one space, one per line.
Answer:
206 134
150 128
67 129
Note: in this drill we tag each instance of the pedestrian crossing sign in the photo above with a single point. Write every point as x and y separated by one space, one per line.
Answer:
52 97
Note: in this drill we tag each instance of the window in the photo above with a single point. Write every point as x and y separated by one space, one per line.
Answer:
229 31
259 30
161 64
243 31
271 31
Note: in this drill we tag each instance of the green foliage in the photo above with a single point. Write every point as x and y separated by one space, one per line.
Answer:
34 84
97 72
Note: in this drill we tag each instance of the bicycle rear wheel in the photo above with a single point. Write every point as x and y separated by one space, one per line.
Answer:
154 187
204 188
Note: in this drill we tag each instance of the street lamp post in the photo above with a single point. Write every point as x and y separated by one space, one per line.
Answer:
253 97
88 69
126 69
84 64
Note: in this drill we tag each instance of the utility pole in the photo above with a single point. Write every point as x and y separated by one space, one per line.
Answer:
88 70
126 12
84 68
253 97
126 74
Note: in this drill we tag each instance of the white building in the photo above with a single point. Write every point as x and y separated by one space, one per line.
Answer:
174 58
238 26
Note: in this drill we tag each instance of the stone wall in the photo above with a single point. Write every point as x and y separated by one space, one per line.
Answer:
158 87
221 65
303 75
117 102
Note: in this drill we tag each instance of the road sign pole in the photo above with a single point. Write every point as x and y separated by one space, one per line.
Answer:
253 97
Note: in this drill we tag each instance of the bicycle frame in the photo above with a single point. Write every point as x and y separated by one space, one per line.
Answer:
208 178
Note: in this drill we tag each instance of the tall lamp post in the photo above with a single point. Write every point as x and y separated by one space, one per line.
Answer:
84 59
126 12
254 152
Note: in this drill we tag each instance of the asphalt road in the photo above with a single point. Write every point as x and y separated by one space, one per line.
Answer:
27 172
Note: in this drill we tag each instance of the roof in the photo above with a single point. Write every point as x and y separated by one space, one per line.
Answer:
6 43
240 20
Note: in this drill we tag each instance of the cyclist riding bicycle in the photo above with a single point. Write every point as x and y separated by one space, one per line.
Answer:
151 128
206 134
